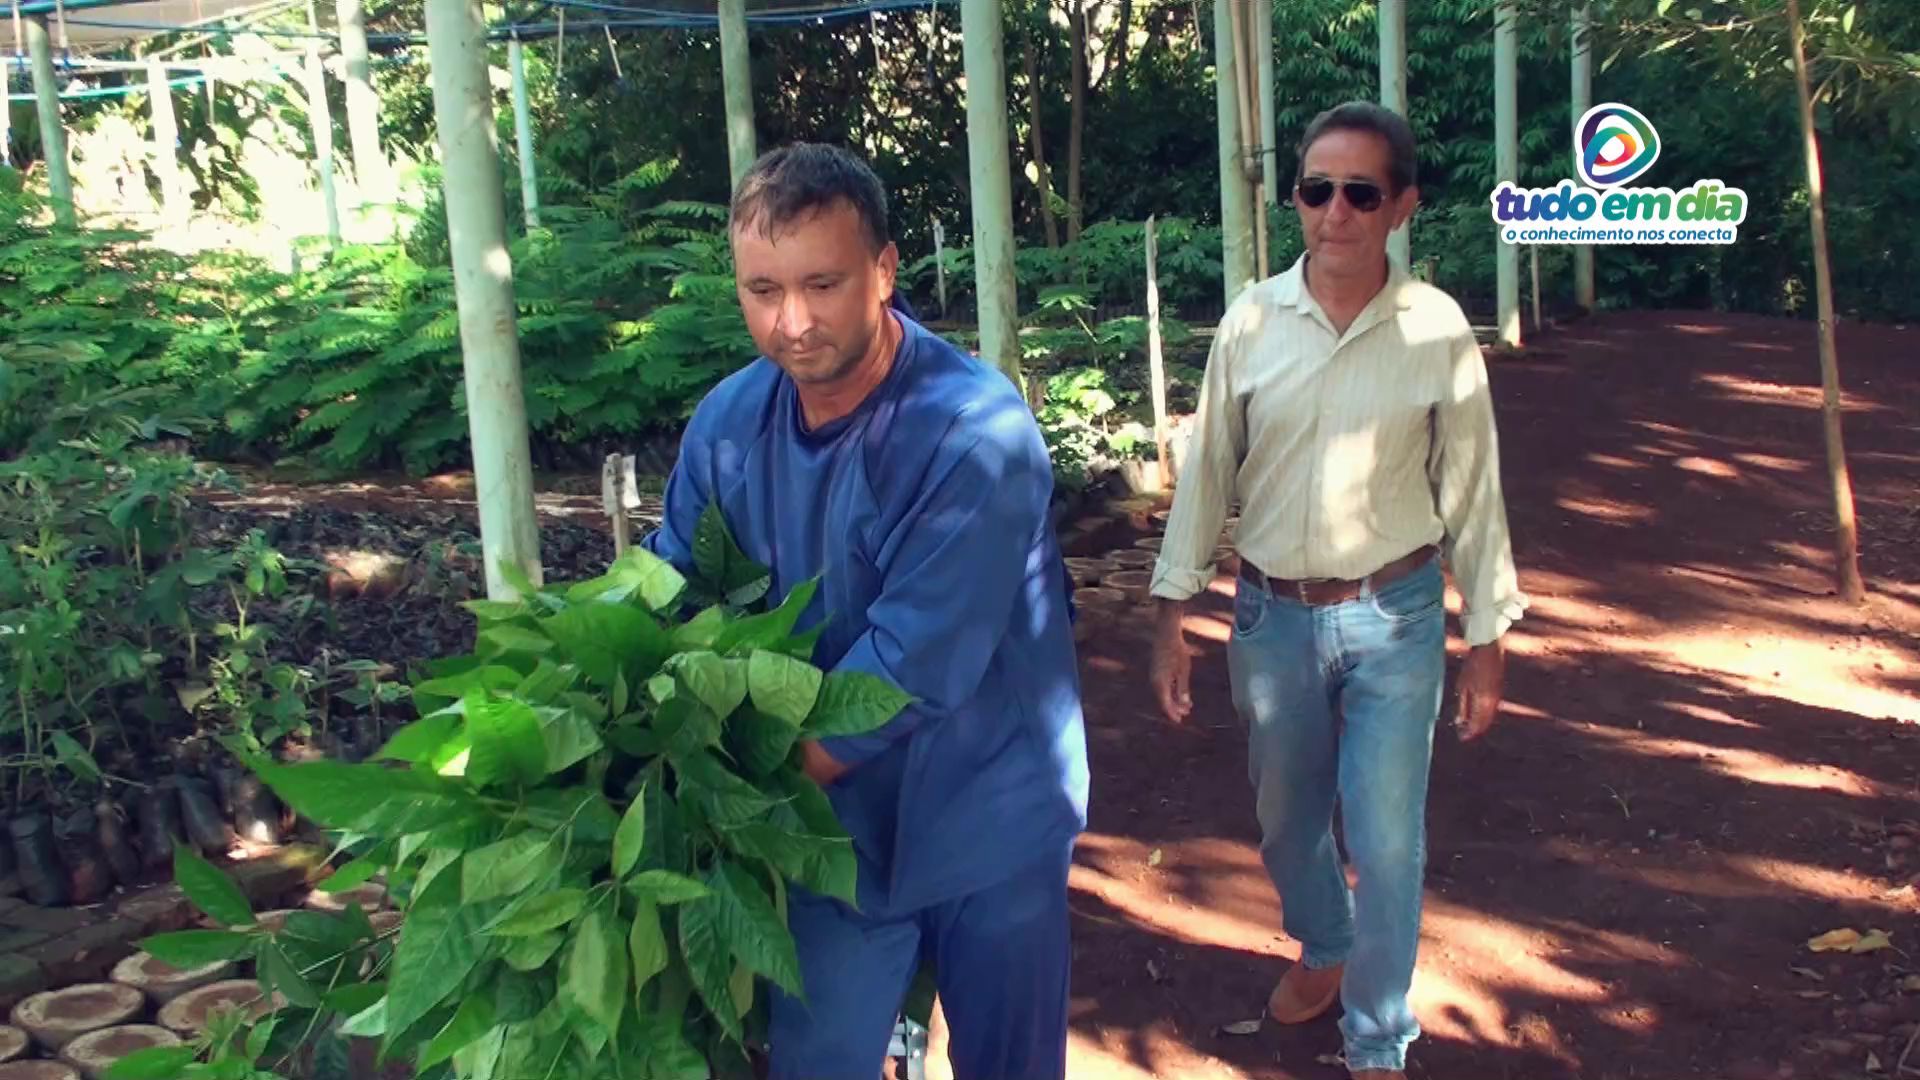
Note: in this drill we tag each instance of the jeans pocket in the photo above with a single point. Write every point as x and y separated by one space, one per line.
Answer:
1250 607
1419 595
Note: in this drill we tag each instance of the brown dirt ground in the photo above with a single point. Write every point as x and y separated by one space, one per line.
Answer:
1704 759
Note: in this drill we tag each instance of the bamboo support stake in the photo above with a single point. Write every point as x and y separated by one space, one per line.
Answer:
1156 365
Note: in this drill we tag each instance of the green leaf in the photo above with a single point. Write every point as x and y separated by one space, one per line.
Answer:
75 757
532 953
278 973
473 1020
665 887
605 640
359 871
494 610
438 949
508 866
368 1023
508 745
543 913
517 996
355 997
653 579
486 677
718 683
701 631
646 946
583 813
154 1063
809 804
516 639
747 922
210 890
713 546
370 799
685 727
854 703
631 836
705 949
728 797
782 687
770 629
760 742
480 1059
741 987
570 738
1846 21
417 741
823 864
195 948
594 979
1663 7
666 845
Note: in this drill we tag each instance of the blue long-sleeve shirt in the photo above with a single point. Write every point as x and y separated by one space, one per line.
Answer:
925 513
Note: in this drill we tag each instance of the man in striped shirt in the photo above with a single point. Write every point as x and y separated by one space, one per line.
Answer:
1346 408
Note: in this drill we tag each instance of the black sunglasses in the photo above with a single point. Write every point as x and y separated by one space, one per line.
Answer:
1363 195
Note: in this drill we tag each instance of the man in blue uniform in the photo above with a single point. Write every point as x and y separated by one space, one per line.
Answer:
913 481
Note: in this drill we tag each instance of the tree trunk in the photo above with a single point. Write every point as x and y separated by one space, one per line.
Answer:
1040 174
1077 21
1846 543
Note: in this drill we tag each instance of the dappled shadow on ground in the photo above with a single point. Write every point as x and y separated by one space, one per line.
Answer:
1705 758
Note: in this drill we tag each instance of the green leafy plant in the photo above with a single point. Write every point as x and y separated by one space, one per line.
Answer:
595 822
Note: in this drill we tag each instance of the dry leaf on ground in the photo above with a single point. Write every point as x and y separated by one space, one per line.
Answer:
1240 1027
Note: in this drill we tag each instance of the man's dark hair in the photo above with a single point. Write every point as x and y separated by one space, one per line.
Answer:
794 181
1367 116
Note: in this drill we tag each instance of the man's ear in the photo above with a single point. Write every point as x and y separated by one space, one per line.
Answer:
1404 204
889 267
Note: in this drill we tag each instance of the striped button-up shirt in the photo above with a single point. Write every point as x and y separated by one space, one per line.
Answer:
1346 451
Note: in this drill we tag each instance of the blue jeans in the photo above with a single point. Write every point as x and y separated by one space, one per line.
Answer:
1341 701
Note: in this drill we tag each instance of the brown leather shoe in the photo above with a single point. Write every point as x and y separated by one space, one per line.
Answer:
1304 993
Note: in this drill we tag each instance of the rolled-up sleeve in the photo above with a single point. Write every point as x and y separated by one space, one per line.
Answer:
1465 471
1209 474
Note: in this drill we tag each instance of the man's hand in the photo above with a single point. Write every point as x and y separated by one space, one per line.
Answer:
1481 677
1173 663
821 767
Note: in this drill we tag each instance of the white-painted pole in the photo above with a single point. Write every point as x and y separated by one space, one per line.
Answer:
940 264
1583 289
483 291
1236 195
1156 365
1269 133
523 134
166 148
53 133
321 116
370 166
1393 95
736 74
984 52
1506 153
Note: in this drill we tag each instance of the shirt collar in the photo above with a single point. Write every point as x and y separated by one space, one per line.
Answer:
1293 292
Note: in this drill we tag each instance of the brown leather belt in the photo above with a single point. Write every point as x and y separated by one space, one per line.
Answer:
1319 592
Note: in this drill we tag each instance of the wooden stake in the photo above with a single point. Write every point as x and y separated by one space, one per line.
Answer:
610 502
1533 254
940 261
1157 367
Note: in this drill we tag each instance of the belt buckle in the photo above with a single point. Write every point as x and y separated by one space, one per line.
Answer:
1300 589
